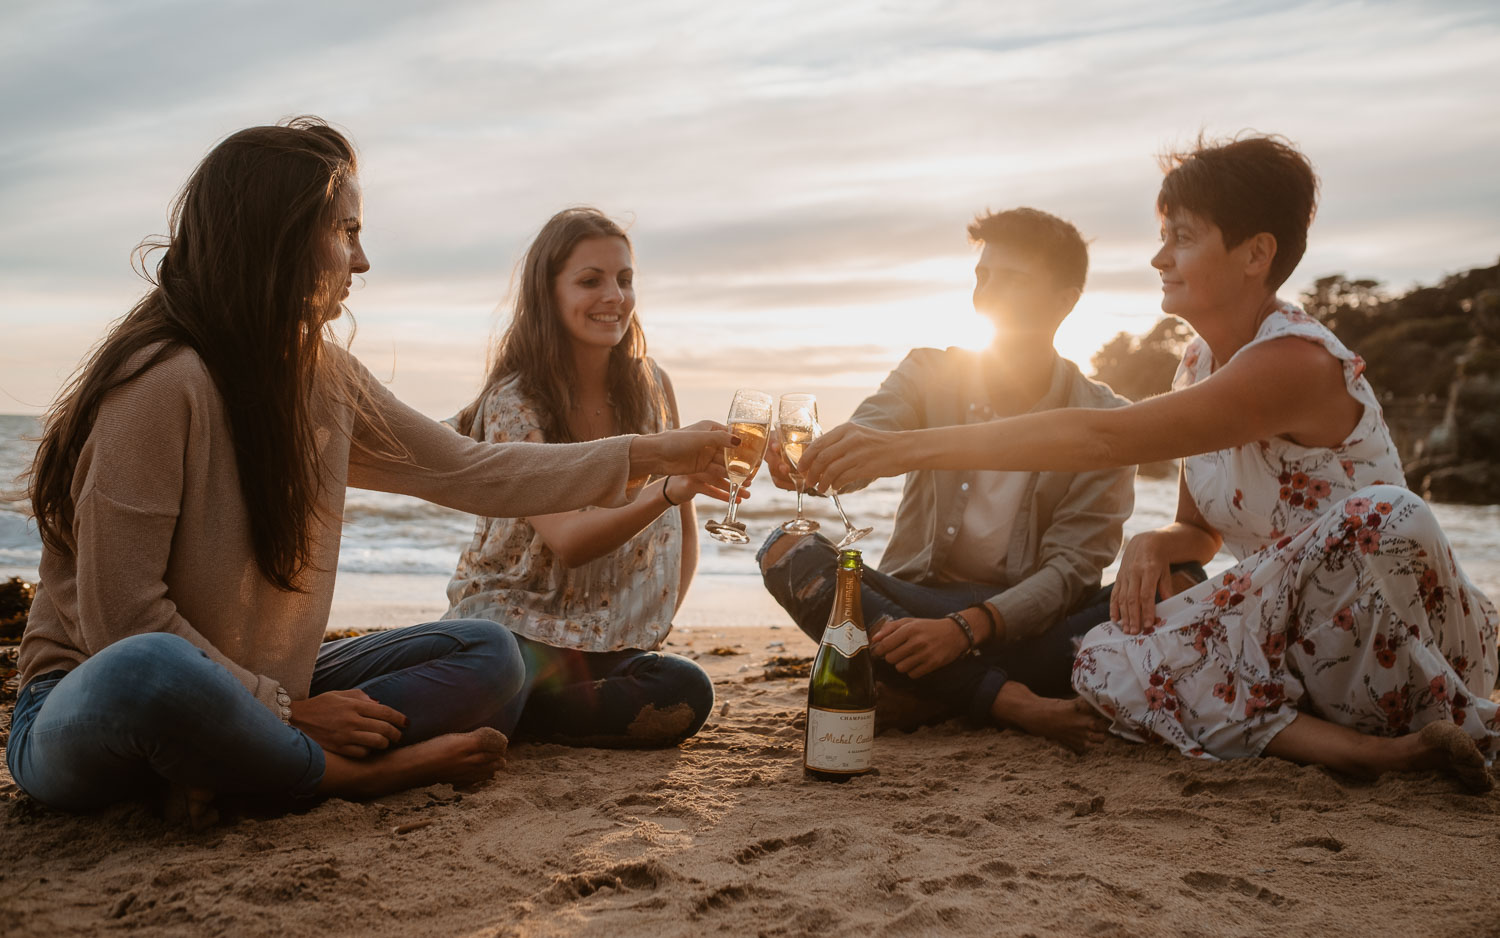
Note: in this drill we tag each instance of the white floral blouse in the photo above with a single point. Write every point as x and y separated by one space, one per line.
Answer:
509 575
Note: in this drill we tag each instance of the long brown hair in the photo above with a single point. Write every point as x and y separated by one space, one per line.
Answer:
240 281
535 347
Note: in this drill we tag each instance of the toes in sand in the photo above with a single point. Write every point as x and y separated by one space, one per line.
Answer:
1458 755
190 807
1073 723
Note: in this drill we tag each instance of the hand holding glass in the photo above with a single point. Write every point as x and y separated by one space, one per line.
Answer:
851 533
750 420
808 418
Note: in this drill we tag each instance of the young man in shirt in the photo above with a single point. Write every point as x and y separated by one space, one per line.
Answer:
982 568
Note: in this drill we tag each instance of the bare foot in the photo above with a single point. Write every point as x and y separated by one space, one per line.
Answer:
897 708
1070 722
457 758
190 807
1448 748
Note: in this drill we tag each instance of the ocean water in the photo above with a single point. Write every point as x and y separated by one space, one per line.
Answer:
394 534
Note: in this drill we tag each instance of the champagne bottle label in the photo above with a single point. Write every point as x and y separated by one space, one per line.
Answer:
840 740
846 638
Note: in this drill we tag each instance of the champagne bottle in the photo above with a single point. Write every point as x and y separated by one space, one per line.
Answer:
841 693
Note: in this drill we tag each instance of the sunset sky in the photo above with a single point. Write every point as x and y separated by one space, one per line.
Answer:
797 177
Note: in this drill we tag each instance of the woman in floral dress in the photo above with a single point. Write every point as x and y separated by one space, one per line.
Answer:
1347 635
589 595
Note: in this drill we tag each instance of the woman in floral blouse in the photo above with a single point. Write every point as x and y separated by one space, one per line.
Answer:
589 594
1347 635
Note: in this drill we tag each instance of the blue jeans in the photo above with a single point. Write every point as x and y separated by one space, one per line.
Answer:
153 709
610 699
802 581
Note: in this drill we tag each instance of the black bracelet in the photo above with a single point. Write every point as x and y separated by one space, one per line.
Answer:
994 618
664 496
963 623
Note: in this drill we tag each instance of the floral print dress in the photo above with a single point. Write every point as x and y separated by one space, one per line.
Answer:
1346 603
508 574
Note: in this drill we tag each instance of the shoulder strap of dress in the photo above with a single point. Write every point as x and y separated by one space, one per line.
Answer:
1290 320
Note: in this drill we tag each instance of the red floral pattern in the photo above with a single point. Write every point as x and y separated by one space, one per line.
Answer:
1342 604
1229 486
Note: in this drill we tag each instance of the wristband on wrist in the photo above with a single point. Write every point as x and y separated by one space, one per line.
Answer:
963 624
664 496
994 618
284 705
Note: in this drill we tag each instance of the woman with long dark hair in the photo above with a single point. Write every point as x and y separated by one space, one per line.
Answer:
589 594
1346 635
189 489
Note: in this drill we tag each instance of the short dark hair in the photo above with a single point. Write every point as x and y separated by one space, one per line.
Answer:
1245 186
1055 241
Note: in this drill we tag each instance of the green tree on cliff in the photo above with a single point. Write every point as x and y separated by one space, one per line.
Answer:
1142 366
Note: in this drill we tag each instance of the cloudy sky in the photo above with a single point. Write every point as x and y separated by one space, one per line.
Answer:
796 176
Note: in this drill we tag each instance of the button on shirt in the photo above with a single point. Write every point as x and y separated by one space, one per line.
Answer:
983 539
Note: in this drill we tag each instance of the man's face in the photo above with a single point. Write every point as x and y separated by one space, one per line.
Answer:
1016 291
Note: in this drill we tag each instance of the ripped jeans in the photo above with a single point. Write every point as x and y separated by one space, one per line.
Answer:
802 581
609 699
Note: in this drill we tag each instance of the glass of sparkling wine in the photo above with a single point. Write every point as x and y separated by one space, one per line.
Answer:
750 420
796 415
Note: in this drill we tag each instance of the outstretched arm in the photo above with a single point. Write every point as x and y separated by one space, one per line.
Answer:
895 405
577 537
397 449
1287 387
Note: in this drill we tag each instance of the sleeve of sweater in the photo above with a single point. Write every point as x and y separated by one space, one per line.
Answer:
396 449
127 495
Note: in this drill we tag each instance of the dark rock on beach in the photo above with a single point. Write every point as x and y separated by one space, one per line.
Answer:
1432 354
1459 460
15 604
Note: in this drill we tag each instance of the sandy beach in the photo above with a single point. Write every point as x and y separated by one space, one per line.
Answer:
963 832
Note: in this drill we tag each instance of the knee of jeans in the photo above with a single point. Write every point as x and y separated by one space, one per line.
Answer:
683 707
777 548
497 653
697 691
760 555
152 674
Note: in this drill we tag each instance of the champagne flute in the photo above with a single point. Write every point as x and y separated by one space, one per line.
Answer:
795 416
851 533
750 420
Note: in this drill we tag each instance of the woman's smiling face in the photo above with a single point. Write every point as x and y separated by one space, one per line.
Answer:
1198 273
595 292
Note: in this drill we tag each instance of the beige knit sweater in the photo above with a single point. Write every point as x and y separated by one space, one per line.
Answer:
163 535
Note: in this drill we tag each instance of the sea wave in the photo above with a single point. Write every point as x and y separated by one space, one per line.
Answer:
395 534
